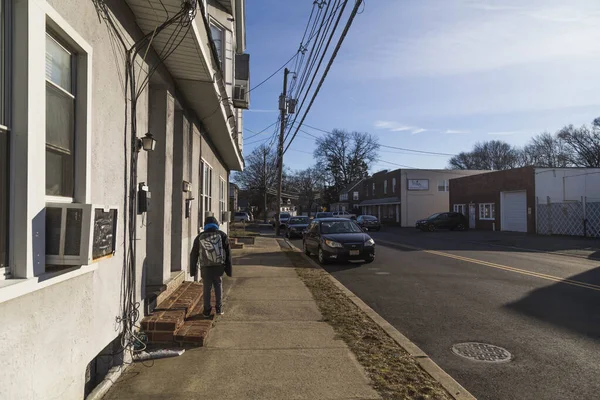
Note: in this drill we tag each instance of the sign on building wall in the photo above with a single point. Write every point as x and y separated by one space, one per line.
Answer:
418 184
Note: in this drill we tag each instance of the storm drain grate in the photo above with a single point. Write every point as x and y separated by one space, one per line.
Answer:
482 352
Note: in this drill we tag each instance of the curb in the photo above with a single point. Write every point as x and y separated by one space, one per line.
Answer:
110 379
454 389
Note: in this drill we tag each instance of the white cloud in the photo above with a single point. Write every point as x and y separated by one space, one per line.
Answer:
401 128
462 38
457 131
384 124
393 126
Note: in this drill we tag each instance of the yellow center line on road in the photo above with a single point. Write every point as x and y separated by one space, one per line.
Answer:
503 267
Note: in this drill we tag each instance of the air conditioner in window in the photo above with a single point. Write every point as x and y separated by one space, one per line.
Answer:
80 234
240 96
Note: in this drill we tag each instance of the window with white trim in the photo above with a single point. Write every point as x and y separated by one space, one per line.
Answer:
60 119
221 197
355 196
218 35
393 185
385 187
206 194
443 186
487 211
461 208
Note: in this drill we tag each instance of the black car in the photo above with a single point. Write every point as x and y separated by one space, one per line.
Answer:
338 239
446 220
296 227
369 222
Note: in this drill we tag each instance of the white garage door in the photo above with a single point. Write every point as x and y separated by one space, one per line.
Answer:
514 211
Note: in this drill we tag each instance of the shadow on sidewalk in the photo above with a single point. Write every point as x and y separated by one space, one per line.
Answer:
566 305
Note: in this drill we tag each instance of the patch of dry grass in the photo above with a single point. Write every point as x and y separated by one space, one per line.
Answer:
394 373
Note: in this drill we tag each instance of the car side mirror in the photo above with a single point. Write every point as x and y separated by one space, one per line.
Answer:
365 229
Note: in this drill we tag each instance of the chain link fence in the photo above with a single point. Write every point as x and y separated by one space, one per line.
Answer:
571 218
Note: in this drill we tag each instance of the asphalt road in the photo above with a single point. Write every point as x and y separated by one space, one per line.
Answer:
542 308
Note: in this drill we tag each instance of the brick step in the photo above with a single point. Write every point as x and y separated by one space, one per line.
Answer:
179 319
195 328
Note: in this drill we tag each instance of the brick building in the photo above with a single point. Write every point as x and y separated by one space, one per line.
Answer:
562 201
486 198
404 196
349 197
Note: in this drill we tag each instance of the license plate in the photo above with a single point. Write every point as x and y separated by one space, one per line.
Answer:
354 252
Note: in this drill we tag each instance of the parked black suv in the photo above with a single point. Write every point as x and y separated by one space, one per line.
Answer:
447 220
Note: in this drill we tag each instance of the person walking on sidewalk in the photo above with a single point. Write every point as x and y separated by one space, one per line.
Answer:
211 250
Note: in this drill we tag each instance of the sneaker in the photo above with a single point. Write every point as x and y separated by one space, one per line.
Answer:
206 314
219 311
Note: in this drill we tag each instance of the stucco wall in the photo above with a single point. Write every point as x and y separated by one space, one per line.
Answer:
417 204
48 336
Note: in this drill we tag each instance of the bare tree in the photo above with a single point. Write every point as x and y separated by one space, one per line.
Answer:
345 157
584 144
491 155
259 176
549 151
308 183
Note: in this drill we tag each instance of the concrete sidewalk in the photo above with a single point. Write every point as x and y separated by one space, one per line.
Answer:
270 344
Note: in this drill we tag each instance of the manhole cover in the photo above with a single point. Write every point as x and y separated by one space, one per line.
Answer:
482 352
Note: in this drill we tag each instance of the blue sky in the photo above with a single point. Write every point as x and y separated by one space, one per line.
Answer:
436 75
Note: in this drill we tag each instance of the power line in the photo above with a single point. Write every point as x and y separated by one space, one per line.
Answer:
260 132
329 64
283 66
318 43
389 147
275 73
311 66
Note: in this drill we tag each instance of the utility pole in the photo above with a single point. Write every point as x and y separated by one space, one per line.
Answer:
265 183
283 109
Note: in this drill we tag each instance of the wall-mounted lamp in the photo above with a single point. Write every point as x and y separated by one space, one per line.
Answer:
148 143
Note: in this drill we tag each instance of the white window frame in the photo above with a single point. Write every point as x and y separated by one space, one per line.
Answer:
223 47
27 181
461 209
206 192
73 95
492 209
355 196
443 185
393 185
222 203
385 186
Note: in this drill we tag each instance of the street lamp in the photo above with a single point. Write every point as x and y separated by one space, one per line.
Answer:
148 143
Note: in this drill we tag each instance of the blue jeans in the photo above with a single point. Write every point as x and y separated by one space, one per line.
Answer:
212 277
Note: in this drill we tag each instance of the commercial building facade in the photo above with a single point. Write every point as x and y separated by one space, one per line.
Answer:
74 170
404 196
544 200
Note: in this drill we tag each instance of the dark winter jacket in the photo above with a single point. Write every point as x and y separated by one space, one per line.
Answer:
195 254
